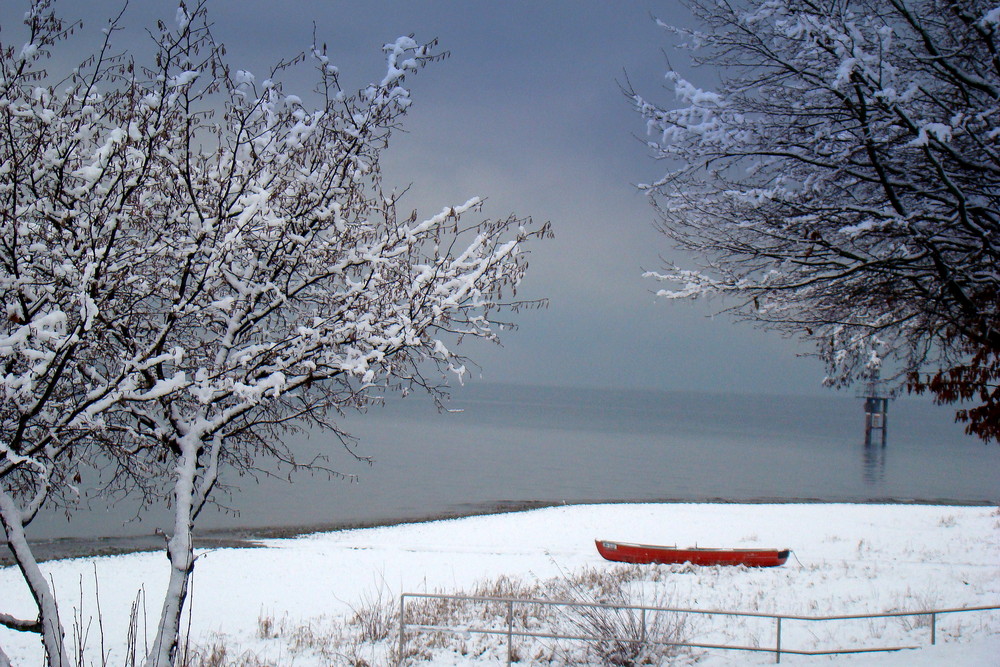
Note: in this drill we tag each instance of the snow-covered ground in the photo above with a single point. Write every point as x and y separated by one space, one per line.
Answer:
847 559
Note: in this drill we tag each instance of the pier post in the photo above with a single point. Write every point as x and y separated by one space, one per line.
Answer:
876 413
876 418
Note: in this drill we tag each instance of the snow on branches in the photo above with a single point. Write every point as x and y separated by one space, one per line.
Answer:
194 261
843 181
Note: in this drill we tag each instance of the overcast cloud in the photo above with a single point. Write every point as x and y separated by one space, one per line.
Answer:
527 112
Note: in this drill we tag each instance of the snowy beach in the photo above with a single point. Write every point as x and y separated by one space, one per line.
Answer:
847 559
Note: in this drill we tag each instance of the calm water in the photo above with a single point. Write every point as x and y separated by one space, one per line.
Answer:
542 444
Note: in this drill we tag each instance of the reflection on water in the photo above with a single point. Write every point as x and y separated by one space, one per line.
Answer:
874 462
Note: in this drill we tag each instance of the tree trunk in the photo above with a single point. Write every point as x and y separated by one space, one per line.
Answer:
180 552
48 611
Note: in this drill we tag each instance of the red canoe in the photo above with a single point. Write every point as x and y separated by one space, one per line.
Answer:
624 552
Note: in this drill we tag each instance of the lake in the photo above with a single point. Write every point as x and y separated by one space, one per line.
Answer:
505 445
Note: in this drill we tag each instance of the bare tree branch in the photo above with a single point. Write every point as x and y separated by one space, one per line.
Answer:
842 184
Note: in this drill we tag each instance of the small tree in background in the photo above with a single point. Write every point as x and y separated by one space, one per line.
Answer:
197 261
842 184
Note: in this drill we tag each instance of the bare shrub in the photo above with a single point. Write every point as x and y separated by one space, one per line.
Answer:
377 617
917 600
622 634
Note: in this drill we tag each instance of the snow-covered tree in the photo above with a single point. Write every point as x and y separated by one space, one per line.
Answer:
76 160
841 182
196 260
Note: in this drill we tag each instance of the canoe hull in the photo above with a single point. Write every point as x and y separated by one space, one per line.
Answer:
624 552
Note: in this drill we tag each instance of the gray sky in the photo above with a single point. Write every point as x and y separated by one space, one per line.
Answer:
528 113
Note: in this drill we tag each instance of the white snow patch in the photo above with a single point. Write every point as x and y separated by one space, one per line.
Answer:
846 559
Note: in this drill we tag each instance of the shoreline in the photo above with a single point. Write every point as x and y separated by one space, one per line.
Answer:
251 537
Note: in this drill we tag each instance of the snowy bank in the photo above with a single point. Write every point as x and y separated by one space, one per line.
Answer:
847 559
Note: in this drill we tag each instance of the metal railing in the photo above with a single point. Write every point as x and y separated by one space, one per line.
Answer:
778 650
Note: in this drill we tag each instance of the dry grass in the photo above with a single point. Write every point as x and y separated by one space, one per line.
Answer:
369 635
621 637
217 654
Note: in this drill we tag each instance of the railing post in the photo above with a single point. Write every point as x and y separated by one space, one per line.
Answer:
510 631
777 646
933 629
402 628
642 627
